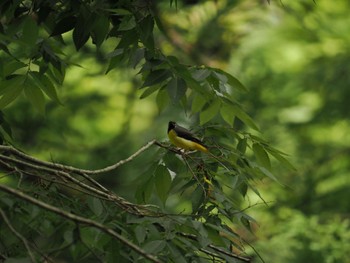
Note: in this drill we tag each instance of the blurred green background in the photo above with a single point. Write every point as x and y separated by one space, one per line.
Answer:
293 56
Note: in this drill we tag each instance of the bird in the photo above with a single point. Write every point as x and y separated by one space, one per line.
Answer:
183 138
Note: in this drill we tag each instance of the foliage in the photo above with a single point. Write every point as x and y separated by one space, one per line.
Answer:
294 63
187 206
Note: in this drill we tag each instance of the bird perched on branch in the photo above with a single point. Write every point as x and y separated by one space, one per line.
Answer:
183 138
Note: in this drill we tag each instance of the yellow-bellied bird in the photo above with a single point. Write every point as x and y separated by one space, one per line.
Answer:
183 138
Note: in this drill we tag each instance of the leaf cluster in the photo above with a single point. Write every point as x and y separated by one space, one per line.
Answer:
31 36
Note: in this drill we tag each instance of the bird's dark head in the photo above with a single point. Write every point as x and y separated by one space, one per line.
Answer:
171 125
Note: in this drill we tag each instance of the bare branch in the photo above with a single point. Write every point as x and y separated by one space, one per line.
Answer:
80 220
121 202
217 249
74 169
22 238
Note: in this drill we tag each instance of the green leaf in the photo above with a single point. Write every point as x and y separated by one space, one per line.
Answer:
226 114
173 163
6 128
95 205
200 74
64 25
246 223
155 246
56 74
198 102
128 38
146 31
280 158
197 198
81 32
118 11
210 112
243 188
162 182
127 23
99 29
148 91
35 95
116 60
242 145
176 89
231 80
268 173
176 254
162 100
244 117
12 66
261 156
140 233
45 85
30 31
156 77
145 191
137 56
10 90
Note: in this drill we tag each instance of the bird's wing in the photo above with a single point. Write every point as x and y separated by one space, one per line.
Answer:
186 134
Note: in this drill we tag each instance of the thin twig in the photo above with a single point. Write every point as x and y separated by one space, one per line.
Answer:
80 220
121 202
74 169
215 248
22 238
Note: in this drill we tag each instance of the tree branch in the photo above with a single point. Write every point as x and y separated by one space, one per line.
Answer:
21 159
14 231
217 249
74 169
80 220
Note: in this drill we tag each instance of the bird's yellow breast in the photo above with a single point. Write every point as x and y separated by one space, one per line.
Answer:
184 143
